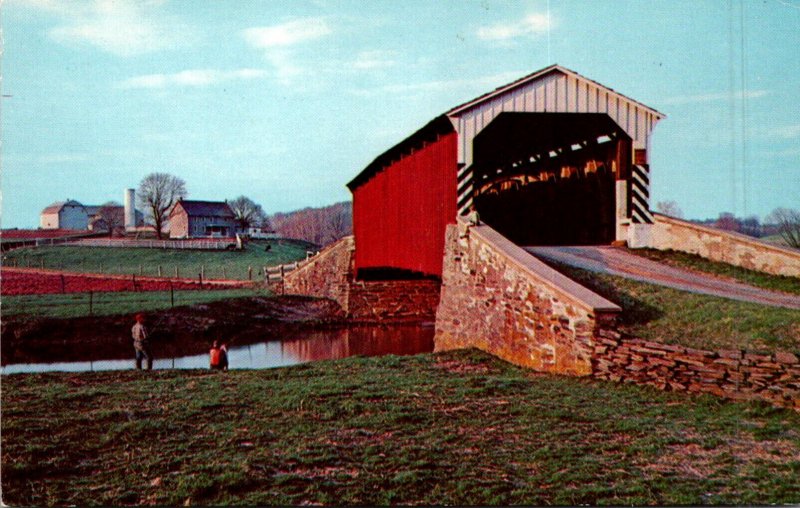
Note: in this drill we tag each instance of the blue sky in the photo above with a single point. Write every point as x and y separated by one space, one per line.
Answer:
286 101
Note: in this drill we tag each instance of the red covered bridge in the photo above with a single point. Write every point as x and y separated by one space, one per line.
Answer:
553 158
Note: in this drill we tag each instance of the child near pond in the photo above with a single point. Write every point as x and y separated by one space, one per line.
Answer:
218 356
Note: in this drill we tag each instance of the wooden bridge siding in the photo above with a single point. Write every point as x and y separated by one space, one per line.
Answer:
400 215
558 93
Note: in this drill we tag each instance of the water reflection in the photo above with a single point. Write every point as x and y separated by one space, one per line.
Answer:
310 346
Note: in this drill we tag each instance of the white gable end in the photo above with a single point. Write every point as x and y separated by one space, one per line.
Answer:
555 90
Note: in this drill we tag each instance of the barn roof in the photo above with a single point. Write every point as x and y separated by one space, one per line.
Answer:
58 205
433 129
205 208
538 75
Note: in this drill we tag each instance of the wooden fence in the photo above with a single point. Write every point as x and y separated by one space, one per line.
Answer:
194 244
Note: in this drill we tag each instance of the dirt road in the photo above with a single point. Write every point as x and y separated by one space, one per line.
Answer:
618 261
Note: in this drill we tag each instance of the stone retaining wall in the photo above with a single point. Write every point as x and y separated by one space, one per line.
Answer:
734 374
499 298
330 275
394 300
733 248
326 275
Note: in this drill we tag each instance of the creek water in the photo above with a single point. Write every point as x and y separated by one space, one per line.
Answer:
307 346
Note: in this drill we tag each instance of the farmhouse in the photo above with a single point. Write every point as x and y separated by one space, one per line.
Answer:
191 219
553 158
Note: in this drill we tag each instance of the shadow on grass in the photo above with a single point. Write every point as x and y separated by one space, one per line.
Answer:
634 310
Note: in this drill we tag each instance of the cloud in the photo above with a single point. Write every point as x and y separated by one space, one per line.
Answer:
191 78
716 96
120 27
446 85
287 34
47 159
787 131
279 43
370 60
529 26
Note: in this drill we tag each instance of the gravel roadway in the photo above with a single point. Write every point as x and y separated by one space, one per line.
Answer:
620 262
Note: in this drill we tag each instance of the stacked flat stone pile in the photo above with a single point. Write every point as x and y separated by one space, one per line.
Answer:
733 374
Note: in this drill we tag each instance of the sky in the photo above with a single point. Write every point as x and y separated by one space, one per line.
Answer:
285 102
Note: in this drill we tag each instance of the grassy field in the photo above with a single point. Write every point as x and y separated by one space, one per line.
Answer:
454 428
694 262
700 321
146 261
72 305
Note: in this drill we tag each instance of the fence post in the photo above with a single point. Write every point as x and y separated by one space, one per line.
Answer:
41 263
176 271
159 270
91 297
171 295
249 273
223 273
201 279
140 270
202 272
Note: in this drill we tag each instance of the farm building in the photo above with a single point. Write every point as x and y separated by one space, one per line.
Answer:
191 219
553 158
71 214
68 214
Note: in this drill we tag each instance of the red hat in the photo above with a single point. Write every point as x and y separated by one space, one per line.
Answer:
139 317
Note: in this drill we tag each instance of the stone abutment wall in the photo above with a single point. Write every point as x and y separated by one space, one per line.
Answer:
716 245
330 275
498 298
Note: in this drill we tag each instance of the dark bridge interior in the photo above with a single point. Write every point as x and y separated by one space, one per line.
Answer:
548 178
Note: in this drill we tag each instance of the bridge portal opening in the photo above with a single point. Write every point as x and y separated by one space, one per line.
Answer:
549 178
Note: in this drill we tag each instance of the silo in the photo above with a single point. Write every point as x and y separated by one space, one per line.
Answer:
130 209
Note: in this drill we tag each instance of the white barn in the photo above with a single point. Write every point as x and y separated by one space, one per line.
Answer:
68 214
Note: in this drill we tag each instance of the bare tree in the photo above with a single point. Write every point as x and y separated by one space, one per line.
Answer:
248 213
728 222
788 221
316 225
112 216
670 208
157 193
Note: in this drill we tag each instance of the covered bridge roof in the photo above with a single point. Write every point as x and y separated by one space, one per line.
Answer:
444 123
538 75
433 129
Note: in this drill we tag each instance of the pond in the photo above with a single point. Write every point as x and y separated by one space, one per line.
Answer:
306 346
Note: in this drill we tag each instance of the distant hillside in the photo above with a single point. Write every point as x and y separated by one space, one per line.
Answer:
316 225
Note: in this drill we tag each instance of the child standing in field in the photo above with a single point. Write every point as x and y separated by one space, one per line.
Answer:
218 356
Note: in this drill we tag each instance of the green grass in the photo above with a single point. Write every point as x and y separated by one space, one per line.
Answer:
455 428
774 239
699 321
111 303
695 262
188 262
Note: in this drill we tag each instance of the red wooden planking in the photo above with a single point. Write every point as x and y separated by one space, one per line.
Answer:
400 215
